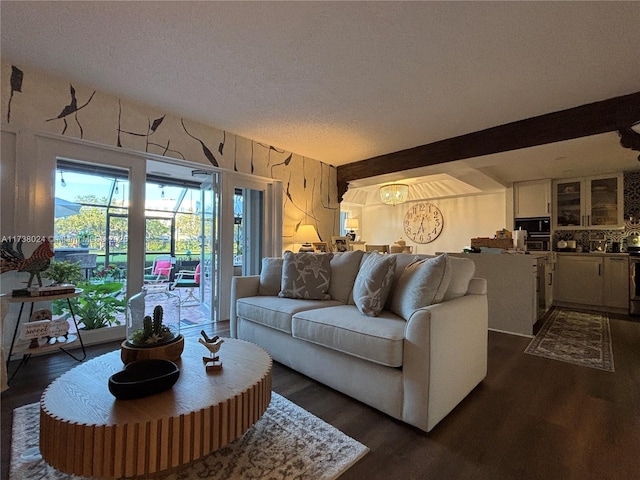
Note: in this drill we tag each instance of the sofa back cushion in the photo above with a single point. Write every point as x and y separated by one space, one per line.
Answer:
270 276
373 283
423 282
344 269
306 275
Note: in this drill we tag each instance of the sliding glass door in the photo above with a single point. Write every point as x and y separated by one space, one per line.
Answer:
209 237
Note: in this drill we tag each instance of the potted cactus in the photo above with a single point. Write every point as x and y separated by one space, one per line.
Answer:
153 326
153 331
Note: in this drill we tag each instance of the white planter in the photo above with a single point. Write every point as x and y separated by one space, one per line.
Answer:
103 335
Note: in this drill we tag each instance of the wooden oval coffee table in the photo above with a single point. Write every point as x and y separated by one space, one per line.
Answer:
85 431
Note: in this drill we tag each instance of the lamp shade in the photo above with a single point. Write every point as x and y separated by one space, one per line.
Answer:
351 224
306 234
394 193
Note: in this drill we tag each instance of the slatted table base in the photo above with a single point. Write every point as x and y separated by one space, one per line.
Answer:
131 448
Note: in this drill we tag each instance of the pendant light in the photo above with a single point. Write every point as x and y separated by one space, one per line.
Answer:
394 193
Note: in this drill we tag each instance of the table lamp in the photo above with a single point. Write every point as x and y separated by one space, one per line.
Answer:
351 224
306 235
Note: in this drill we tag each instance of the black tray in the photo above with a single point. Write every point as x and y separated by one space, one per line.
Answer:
143 378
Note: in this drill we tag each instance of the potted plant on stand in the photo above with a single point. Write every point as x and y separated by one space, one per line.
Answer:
97 307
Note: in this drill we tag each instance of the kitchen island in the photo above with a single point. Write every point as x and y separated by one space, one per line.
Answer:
514 283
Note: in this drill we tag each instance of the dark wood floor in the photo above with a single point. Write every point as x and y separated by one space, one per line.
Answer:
531 418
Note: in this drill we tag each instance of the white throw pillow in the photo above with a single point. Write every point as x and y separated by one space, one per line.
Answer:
373 283
424 282
462 271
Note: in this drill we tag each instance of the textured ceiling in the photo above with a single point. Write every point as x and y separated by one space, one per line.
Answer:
339 81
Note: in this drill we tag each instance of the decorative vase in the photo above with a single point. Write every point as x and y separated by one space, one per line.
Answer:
398 246
153 325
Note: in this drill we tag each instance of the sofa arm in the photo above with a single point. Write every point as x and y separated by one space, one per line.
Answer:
477 286
241 287
445 357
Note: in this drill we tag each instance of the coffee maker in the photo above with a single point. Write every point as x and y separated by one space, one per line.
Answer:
597 243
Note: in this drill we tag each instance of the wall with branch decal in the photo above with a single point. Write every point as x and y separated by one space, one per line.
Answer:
69 108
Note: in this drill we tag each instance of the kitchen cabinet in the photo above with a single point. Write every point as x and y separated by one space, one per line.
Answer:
579 279
545 279
532 199
590 279
588 203
616 282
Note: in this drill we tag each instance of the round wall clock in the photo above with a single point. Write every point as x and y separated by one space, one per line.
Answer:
423 222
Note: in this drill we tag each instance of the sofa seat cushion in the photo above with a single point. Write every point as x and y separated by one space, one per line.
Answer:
276 312
343 328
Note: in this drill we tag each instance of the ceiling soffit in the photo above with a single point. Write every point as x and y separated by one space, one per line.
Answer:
605 116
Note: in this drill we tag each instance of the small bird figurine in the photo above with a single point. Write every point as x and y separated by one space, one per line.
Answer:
213 345
13 259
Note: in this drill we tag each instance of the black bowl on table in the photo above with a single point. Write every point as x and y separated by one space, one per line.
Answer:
143 378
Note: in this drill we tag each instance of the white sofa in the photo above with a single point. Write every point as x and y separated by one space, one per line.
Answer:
415 369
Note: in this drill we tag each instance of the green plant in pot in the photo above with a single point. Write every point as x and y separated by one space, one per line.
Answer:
97 306
153 332
63 272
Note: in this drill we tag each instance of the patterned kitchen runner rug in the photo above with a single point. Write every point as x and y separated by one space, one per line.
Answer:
575 336
286 443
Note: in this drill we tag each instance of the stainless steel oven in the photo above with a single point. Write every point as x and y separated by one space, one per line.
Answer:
538 244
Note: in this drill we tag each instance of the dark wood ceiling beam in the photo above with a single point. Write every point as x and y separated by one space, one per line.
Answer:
591 119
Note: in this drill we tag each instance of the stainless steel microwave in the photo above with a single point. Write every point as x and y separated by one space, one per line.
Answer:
535 227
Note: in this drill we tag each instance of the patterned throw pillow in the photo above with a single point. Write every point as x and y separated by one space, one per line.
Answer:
373 283
306 275
270 276
424 282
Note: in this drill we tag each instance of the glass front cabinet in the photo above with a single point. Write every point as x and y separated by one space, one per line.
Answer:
588 203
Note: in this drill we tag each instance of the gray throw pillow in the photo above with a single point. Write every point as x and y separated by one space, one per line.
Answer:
424 282
270 276
344 268
373 283
462 271
306 275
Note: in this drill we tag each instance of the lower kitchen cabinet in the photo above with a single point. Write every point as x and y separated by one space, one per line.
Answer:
592 279
579 279
616 282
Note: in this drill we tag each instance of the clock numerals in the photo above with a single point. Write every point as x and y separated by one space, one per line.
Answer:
423 223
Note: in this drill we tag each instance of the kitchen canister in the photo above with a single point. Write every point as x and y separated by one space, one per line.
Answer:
519 237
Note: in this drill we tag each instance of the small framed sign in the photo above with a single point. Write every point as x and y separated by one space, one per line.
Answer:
38 329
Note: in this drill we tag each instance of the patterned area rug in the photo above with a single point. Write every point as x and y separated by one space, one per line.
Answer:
286 443
574 336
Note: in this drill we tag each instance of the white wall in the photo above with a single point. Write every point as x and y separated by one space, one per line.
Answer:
464 218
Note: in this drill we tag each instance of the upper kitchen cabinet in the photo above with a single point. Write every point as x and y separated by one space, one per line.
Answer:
589 203
532 199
